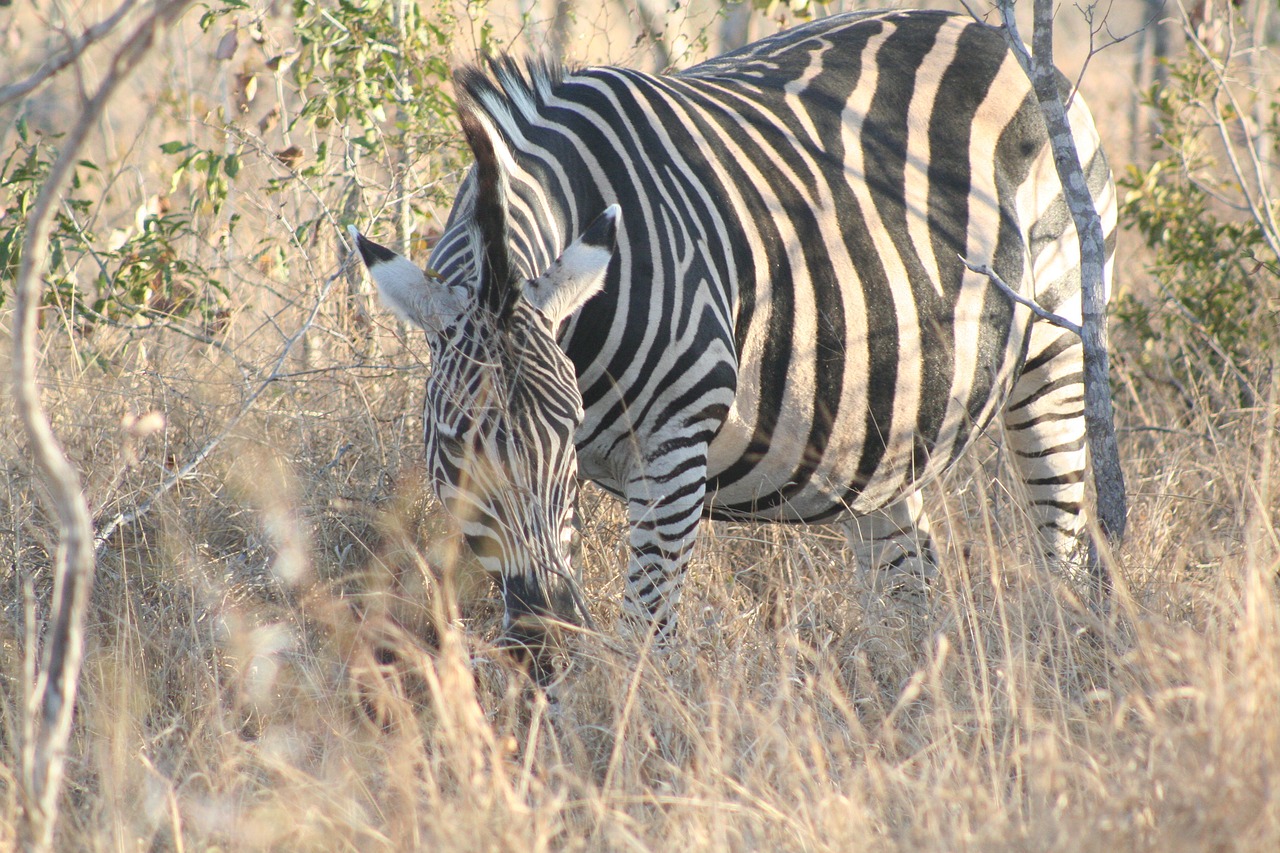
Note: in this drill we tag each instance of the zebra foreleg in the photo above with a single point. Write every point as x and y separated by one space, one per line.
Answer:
895 544
664 513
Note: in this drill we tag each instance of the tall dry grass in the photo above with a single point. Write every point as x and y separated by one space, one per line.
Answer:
286 654
289 651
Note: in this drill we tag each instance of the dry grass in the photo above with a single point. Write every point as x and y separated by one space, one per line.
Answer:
287 652
273 666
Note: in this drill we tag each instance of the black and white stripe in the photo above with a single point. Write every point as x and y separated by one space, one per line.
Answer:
784 329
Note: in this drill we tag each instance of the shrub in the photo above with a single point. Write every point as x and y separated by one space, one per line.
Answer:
1207 220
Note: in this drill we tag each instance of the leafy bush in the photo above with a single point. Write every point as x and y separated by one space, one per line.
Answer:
140 272
337 82
1214 263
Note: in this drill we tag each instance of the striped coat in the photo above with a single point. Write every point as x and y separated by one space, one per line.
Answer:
753 269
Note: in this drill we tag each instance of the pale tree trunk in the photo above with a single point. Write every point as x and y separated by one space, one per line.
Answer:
558 31
1265 142
1104 452
1150 52
52 696
1160 41
547 37
660 26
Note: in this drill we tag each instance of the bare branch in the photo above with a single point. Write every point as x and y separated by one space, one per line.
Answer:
53 695
106 531
69 54
1259 209
973 12
1055 319
1094 50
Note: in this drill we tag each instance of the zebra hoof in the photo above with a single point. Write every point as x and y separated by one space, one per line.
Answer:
643 631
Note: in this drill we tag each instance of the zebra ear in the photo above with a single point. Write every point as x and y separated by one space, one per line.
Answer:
405 288
579 272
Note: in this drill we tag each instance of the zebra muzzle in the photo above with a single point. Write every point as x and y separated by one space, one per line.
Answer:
537 620
536 642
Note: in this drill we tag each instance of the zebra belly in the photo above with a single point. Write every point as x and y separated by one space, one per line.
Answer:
801 494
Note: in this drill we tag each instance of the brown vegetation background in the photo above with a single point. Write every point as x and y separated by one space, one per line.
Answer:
286 649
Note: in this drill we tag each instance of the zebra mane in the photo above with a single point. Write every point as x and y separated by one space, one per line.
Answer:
493 100
509 91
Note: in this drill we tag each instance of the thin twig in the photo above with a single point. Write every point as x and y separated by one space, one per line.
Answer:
1087 12
187 470
70 54
1043 314
981 19
1259 209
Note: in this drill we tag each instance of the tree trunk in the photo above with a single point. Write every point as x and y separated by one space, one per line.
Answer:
1104 452
51 699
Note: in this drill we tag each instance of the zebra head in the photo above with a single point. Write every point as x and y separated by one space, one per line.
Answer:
502 400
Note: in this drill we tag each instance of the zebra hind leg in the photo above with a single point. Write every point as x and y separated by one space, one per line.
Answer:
1045 433
896 553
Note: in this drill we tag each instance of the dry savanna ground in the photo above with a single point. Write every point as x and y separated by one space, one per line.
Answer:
287 651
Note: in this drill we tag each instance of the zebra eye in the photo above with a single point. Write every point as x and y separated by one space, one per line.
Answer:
451 444
445 436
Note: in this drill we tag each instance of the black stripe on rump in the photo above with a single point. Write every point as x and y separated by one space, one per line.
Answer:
964 87
885 149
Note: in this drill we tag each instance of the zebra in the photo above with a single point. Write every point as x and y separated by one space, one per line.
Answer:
737 292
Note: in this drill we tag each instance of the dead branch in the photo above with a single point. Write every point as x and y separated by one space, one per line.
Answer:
1047 316
52 698
69 55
